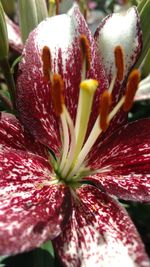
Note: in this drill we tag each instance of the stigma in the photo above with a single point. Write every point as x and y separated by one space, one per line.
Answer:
76 144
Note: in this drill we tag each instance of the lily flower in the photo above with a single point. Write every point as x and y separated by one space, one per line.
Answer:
73 94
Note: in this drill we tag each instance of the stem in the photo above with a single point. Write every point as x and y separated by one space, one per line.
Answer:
9 80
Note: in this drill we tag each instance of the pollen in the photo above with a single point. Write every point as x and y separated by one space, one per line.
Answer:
132 86
105 104
46 59
89 85
85 51
119 61
57 94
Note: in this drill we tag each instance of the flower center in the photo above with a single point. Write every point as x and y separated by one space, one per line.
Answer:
70 166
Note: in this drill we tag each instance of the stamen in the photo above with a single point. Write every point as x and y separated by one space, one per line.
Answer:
70 155
57 94
105 104
119 61
132 86
85 55
46 59
86 148
65 141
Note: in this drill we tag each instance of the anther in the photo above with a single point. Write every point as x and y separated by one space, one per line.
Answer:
57 94
105 104
85 51
46 59
119 61
132 86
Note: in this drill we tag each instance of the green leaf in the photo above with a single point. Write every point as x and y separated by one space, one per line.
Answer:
145 22
48 247
146 65
4 46
1 259
42 11
28 19
141 5
9 6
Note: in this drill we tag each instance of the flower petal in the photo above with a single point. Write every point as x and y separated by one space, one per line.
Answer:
143 92
14 35
100 233
119 29
13 135
61 34
123 161
96 68
32 210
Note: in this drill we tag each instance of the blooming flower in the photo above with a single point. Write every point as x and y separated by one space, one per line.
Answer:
60 185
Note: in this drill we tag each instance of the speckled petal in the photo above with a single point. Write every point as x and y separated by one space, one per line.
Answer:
123 161
32 210
13 135
119 29
100 233
97 70
61 34
14 35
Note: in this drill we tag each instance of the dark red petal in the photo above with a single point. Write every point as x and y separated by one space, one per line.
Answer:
13 135
124 162
100 233
14 35
61 34
32 210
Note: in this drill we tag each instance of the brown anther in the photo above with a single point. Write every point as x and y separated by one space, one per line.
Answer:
57 94
85 51
105 104
132 86
46 59
119 61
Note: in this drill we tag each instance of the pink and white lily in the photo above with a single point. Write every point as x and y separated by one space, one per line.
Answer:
60 184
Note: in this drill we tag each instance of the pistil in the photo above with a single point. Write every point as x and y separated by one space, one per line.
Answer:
86 95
